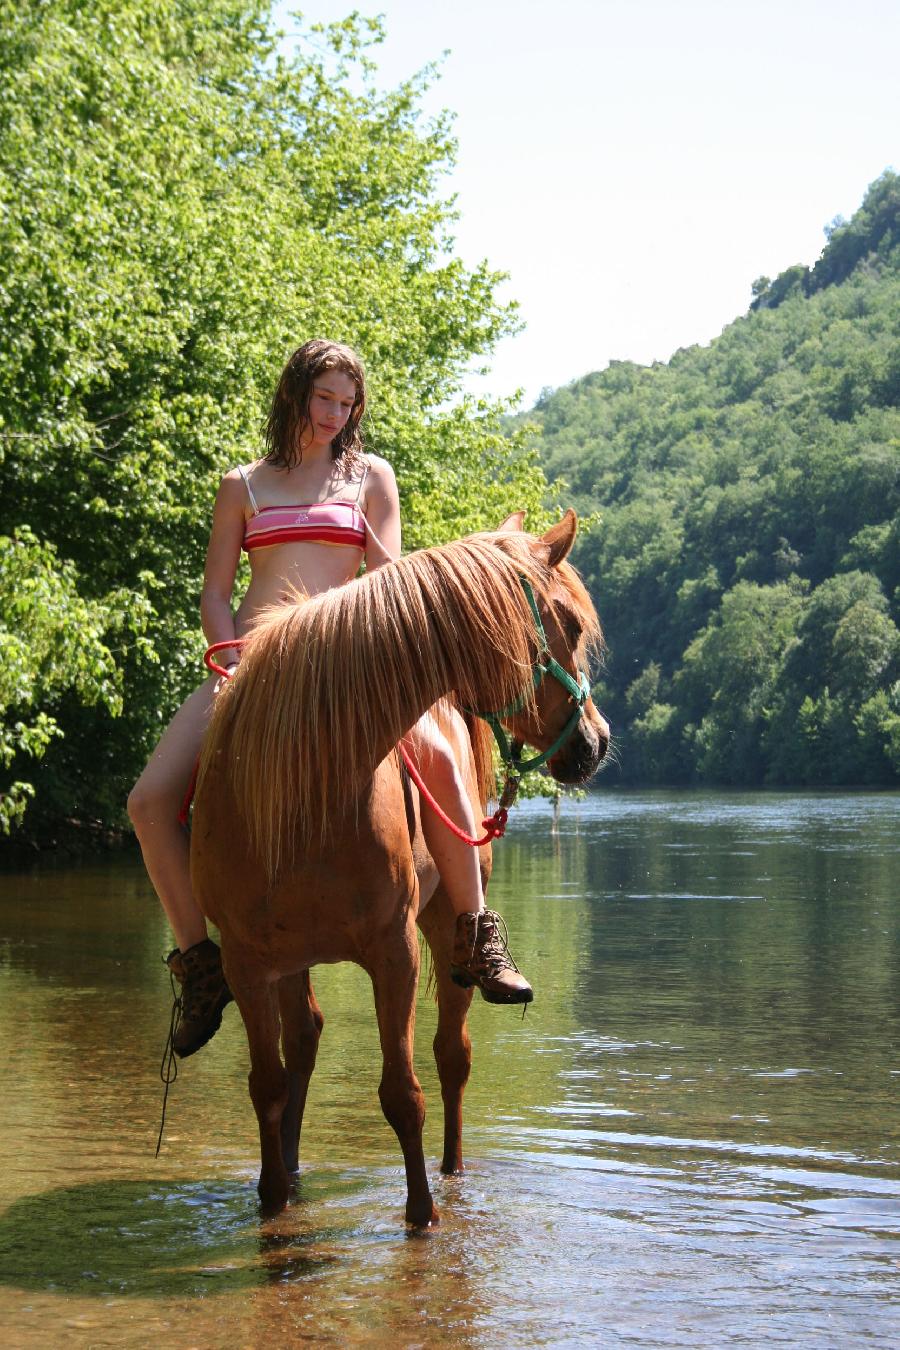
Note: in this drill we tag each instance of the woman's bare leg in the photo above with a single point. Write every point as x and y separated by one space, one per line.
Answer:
480 956
154 804
457 862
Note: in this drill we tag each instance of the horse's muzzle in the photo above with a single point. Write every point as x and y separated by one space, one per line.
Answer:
585 751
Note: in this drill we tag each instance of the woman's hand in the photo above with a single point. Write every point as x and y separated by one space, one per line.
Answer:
225 679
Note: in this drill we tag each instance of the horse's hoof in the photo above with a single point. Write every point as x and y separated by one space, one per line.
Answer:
426 1217
270 1209
452 1169
273 1199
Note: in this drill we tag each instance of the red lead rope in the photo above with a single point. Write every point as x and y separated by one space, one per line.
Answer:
185 812
495 825
219 647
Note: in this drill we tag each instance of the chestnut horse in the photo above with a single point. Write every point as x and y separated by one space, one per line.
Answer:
306 841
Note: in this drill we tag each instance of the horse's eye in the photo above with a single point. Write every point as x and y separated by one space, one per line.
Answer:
572 627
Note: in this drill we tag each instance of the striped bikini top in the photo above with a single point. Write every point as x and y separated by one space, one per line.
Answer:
330 522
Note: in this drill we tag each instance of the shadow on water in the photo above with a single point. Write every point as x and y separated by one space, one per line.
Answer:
147 1239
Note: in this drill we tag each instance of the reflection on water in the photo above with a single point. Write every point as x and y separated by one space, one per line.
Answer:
690 1139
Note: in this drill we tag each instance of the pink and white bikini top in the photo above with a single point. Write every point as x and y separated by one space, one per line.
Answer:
330 522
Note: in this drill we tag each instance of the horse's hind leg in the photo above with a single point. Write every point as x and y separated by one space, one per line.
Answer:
395 979
452 1046
268 1084
301 1027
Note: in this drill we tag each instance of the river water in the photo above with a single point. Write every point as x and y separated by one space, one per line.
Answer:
690 1140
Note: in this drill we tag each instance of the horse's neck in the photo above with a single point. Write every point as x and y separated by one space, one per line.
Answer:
386 740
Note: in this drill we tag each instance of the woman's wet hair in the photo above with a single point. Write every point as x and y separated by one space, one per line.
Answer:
289 412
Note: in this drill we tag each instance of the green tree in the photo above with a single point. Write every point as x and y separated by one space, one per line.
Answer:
52 643
729 679
180 205
845 610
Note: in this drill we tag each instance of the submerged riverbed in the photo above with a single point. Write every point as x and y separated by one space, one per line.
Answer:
691 1138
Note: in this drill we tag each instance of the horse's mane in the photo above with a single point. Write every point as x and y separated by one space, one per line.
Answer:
329 684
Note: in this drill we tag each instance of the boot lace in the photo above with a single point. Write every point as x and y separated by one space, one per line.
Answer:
168 1068
495 950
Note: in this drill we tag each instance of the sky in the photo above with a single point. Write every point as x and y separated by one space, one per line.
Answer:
635 165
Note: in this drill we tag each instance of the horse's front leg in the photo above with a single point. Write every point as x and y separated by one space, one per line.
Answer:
395 979
268 1084
452 1046
301 1027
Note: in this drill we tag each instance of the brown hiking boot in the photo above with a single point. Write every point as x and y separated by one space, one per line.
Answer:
204 994
481 956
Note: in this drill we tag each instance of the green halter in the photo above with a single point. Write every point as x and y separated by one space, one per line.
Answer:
578 690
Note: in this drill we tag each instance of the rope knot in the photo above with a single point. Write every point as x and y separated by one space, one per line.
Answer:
496 824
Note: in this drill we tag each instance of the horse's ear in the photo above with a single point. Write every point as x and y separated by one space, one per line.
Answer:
512 523
560 538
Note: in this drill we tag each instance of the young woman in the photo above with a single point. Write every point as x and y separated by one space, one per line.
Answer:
307 514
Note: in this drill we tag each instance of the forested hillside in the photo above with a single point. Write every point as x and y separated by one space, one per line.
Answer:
747 559
180 207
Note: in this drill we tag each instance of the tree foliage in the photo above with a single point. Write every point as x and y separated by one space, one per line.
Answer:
180 206
747 566
52 641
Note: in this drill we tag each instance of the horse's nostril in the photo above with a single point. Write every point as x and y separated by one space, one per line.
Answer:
603 734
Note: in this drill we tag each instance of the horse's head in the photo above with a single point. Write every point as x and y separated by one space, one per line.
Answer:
561 720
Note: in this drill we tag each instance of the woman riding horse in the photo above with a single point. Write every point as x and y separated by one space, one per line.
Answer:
306 837
307 514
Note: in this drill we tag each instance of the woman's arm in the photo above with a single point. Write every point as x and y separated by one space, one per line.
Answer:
222 557
382 508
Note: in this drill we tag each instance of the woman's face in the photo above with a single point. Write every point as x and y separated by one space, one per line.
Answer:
330 404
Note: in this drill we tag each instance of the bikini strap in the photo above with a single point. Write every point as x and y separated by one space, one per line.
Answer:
246 477
365 475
